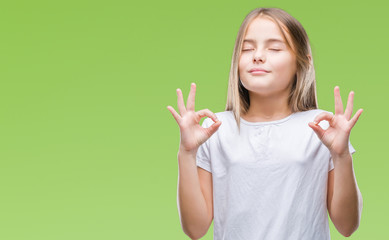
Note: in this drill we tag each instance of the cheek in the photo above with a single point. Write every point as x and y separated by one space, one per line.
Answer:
242 60
242 64
285 65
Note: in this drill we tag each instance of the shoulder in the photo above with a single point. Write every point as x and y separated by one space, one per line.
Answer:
310 115
228 125
224 116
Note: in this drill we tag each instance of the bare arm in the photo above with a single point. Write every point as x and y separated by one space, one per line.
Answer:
194 190
194 213
344 198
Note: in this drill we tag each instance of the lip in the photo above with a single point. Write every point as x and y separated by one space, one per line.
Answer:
258 70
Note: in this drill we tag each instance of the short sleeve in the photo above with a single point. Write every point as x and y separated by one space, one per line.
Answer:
351 149
203 155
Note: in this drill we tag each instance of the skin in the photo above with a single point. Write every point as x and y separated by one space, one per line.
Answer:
269 92
344 199
336 137
192 135
195 192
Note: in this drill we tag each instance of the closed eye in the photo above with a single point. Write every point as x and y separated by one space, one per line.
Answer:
273 49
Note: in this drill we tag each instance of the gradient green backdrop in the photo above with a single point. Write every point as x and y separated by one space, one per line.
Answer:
88 149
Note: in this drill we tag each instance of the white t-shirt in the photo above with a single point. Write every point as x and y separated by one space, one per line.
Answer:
269 182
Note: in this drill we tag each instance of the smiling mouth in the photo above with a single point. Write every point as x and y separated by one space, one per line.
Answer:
258 72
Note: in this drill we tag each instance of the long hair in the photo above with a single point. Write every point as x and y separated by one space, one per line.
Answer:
303 92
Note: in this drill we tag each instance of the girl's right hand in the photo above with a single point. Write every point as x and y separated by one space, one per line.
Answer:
191 133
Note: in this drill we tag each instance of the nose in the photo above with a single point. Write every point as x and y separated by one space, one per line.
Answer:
259 56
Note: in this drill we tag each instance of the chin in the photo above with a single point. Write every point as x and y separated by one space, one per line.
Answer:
257 85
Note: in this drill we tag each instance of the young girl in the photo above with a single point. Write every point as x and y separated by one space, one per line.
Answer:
272 164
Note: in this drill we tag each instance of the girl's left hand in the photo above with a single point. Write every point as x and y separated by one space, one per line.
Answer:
336 136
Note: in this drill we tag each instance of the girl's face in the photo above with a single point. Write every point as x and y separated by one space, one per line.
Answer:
265 48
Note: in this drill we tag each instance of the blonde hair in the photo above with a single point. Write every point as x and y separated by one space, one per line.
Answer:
303 93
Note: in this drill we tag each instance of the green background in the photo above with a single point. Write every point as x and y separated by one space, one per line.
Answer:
88 149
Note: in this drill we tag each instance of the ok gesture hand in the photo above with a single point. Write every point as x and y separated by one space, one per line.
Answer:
336 136
192 134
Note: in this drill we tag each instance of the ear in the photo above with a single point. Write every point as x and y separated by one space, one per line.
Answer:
310 58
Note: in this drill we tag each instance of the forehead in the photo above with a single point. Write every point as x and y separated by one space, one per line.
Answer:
262 28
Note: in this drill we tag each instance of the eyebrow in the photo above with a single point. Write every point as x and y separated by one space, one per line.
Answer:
267 40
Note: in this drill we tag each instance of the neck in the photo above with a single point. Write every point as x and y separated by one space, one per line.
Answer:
267 108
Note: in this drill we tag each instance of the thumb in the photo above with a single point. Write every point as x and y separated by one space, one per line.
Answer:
317 129
213 128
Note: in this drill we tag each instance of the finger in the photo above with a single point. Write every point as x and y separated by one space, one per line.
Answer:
176 116
324 116
317 129
207 113
213 128
338 101
180 102
356 117
349 108
190 103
